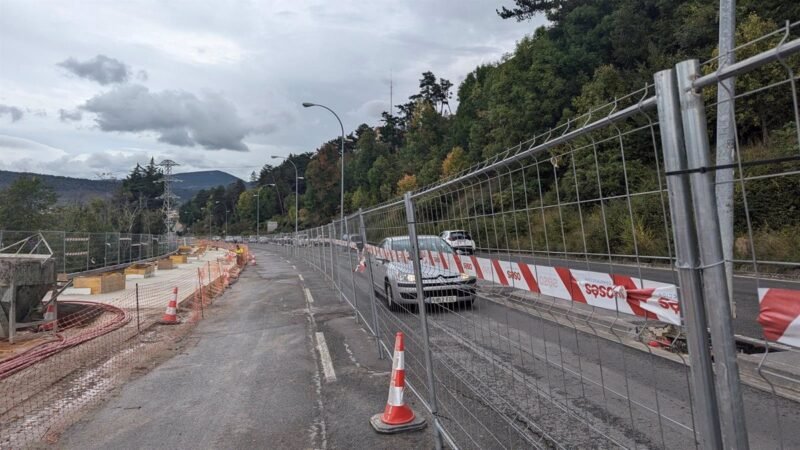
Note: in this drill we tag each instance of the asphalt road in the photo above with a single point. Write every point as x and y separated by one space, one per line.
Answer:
254 377
506 378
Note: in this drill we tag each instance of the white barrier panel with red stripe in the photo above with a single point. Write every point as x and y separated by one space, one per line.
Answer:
779 308
779 315
643 298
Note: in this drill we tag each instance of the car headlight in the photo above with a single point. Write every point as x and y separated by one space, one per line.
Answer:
410 277
465 276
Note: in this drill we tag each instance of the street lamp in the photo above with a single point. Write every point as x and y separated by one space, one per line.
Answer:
208 222
258 211
296 191
258 207
226 217
341 201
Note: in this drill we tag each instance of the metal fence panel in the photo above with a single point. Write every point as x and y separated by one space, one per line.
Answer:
554 296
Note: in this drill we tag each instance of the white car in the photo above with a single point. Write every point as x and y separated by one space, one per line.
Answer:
460 241
397 282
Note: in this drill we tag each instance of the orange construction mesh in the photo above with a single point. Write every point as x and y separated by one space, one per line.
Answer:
55 372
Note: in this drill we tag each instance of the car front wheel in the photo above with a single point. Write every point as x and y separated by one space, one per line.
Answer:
387 289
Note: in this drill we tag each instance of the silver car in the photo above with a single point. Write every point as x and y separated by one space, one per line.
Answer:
396 279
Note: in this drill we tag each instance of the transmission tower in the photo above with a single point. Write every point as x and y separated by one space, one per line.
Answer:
170 214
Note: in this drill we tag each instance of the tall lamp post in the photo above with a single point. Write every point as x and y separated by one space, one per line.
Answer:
226 217
341 201
258 207
258 211
296 191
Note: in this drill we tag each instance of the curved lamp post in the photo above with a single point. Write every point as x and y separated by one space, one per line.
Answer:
296 190
341 201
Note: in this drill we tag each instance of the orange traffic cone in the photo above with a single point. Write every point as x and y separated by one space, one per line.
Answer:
397 416
50 317
171 314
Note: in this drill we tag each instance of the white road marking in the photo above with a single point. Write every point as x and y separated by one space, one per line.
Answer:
309 298
301 277
294 267
325 356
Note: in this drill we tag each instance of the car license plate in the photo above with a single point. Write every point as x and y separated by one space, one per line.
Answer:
446 299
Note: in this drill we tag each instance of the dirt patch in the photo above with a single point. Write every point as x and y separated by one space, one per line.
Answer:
90 383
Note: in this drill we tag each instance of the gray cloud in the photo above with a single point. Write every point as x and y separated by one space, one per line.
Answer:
13 112
179 117
101 69
70 116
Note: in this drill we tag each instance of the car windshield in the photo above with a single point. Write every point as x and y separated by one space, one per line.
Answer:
434 244
458 235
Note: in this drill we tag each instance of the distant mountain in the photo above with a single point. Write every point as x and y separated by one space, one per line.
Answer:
68 189
71 190
191 182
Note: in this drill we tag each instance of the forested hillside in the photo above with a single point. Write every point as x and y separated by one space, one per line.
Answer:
69 189
591 52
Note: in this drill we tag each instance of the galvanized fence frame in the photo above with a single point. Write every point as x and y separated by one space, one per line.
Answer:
461 376
78 252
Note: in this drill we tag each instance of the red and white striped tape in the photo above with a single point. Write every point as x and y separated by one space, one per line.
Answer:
779 315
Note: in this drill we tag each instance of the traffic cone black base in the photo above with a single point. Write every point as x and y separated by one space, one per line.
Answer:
417 424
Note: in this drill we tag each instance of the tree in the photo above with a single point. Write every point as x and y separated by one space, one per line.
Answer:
407 183
26 204
756 115
455 162
526 9
437 93
322 177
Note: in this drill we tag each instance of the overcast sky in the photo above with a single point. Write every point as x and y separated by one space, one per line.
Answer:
91 87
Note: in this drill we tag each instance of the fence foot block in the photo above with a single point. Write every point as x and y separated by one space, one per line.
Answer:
415 425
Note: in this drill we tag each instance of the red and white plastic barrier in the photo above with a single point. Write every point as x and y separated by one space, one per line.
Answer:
779 315
623 293
779 308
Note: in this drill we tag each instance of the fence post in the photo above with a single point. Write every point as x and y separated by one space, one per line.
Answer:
88 249
330 246
138 323
371 288
350 261
704 399
332 228
715 285
423 317
64 251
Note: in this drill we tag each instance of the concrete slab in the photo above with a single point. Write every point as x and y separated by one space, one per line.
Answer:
183 276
